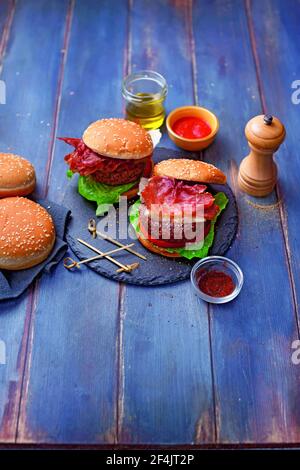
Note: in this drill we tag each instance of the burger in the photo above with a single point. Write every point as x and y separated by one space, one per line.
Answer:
110 159
177 210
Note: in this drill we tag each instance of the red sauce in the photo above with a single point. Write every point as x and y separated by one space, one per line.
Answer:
216 283
191 128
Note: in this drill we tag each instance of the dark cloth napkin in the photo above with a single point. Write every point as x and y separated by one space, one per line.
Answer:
14 283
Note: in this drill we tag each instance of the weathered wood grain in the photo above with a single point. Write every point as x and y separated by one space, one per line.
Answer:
165 393
256 384
70 384
93 362
7 12
30 78
8 372
275 42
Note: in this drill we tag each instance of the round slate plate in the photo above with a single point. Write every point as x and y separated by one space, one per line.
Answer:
157 270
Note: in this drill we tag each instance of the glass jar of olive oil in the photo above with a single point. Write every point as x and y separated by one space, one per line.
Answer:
145 93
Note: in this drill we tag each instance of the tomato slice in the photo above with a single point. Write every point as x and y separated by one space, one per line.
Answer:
162 243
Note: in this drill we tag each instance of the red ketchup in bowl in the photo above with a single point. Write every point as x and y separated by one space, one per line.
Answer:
191 128
215 283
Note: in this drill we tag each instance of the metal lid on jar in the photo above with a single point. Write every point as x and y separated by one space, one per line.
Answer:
265 131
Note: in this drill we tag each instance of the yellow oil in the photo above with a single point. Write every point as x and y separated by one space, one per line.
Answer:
149 112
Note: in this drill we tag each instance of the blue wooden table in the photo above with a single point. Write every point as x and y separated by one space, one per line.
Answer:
94 362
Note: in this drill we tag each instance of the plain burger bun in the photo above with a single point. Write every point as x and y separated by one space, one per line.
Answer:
157 249
17 176
27 233
190 170
118 138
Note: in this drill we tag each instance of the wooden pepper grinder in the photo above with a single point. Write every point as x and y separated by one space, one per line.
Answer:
258 171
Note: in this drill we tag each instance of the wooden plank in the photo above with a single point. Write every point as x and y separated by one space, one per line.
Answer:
36 27
256 384
12 324
165 393
70 385
162 48
7 11
278 67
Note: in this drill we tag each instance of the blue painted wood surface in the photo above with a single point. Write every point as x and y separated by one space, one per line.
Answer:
251 337
85 307
25 128
276 79
157 404
94 362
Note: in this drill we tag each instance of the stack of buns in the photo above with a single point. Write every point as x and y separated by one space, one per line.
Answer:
27 232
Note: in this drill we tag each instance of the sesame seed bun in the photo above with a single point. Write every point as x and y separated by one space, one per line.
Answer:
190 170
27 233
157 249
118 138
17 176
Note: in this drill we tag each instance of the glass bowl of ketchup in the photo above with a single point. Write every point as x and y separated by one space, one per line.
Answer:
192 127
216 279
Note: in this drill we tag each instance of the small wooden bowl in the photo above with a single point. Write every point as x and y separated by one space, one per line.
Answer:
192 111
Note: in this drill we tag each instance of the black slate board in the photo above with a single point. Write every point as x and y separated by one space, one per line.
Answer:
157 270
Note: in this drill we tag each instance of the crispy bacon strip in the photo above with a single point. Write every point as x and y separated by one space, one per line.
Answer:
107 170
168 192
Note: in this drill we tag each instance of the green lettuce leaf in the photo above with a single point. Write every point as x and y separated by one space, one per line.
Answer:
220 199
102 194
70 174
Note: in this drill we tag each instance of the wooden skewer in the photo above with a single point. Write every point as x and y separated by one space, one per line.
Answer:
93 230
129 266
70 263
123 266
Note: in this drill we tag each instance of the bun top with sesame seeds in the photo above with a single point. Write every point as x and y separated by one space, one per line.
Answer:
27 233
118 138
17 175
190 170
